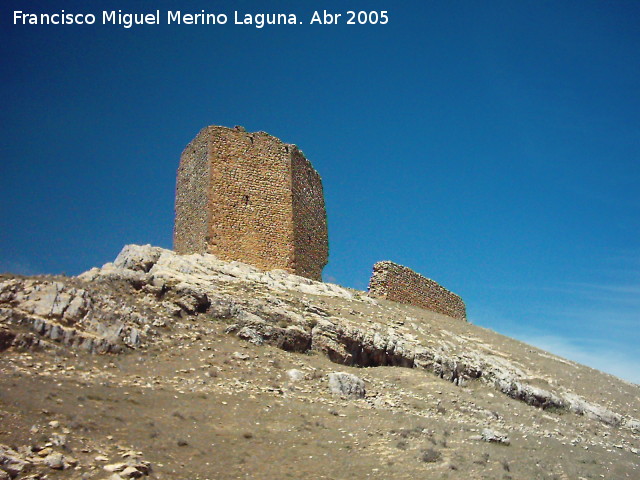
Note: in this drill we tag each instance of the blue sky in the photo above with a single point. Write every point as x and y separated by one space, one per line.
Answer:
491 146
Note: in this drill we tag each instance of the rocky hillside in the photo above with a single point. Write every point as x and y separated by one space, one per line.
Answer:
167 366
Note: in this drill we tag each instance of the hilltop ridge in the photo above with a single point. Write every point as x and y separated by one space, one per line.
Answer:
447 397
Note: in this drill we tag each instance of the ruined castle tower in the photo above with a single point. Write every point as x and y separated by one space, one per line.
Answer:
252 198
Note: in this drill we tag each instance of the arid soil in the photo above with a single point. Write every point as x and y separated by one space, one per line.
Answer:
217 371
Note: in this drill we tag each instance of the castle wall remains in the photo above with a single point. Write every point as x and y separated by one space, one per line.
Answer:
401 284
192 197
253 198
309 222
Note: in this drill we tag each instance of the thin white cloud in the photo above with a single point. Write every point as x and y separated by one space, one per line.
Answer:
593 320
591 287
601 357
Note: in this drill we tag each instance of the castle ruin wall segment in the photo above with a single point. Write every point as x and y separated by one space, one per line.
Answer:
401 284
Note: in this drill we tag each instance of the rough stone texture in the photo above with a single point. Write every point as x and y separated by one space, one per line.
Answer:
55 461
137 257
492 436
12 463
309 219
37 311
252 198
346 384
295 375
401 284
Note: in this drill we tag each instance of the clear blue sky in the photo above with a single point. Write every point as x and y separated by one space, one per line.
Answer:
491 146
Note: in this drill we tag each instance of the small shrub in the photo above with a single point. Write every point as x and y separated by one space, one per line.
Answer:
555 410
430 455
284 322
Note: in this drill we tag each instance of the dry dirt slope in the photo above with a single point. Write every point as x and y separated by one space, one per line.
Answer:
186 367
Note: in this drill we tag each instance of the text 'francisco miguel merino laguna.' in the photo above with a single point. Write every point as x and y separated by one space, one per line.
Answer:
177 17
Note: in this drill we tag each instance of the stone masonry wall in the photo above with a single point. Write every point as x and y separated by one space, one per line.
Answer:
192 197
401 284
309 220
258 198
251 207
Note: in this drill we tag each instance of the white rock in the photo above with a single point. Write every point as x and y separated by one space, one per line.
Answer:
54 461
138 257
240 356
249 334
167 267
295 375
492 436
346 384
131 472
115 467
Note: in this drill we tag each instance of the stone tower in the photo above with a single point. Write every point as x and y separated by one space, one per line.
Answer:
252 198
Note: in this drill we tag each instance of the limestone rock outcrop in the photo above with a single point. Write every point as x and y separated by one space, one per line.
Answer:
346 384
127 305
